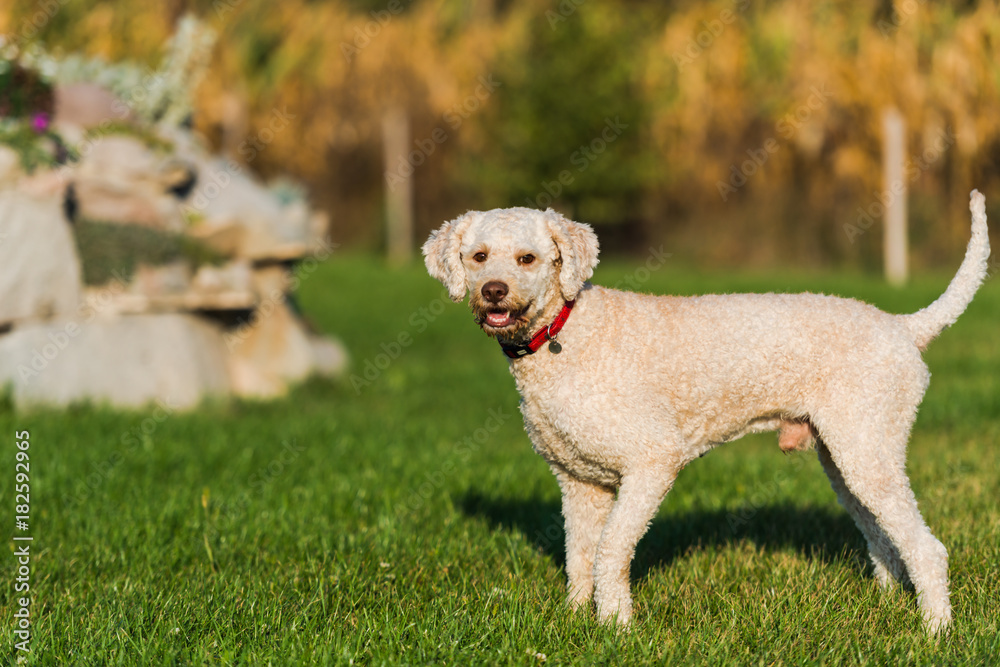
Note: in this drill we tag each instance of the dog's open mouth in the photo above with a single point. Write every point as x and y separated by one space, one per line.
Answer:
499 321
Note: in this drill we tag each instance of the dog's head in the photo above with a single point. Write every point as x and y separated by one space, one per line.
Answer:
517 263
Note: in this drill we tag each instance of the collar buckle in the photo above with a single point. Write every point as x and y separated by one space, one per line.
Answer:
516 351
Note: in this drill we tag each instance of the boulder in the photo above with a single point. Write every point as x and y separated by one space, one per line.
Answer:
164 280
235 214
47 184
234 276
122 180
130 361
40 273
270 351
157 335
329 356
88 105
274 350
10 167
172 288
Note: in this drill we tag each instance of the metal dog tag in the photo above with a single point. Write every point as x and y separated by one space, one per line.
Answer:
555 347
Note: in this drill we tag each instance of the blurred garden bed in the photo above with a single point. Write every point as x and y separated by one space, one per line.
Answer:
141 265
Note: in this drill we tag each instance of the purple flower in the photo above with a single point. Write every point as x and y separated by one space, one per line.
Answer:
40 122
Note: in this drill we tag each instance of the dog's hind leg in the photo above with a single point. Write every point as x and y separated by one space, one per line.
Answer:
888 565
872 468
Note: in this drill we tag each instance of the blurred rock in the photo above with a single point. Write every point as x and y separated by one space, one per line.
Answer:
120 179
195 305
49 183
271 281
269 352
10 167
234 213
225 238
274 348
172 288
329 356
88 105
156 281
40 273
236 276
130 361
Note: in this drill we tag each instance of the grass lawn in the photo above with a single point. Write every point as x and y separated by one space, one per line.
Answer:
402 517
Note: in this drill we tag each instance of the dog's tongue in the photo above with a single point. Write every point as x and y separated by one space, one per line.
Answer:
498 319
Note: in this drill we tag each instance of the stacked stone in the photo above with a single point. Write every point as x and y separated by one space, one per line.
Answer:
174 333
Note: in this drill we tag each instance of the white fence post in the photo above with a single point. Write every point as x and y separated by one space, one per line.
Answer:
893 158
398 185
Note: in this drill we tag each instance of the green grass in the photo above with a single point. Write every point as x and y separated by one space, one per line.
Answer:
396 523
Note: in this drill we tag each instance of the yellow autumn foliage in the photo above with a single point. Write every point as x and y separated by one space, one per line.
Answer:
760 122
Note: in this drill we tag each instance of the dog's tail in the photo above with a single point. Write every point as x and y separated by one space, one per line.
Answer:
926 324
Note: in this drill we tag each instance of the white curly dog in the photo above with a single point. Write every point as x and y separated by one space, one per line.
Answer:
632 387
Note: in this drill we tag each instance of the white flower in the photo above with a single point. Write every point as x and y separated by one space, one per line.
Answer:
540 657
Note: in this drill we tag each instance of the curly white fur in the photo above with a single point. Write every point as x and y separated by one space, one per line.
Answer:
645 384
926 324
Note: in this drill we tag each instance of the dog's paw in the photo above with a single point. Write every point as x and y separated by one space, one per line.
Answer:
577 602
938 621
618 612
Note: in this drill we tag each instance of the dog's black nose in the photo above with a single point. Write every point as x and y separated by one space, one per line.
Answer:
494 291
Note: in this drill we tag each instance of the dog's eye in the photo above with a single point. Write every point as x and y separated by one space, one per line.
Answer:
479 257
527 259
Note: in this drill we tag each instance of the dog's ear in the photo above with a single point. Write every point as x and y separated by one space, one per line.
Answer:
578 250
443 256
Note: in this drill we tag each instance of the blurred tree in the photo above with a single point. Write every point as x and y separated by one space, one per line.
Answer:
565 128
752 124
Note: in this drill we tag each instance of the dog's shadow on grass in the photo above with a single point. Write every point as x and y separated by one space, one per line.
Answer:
827 534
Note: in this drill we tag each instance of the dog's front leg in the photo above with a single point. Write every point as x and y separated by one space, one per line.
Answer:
585 509
639 497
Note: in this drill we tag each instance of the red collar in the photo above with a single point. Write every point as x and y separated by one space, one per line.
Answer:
542 335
